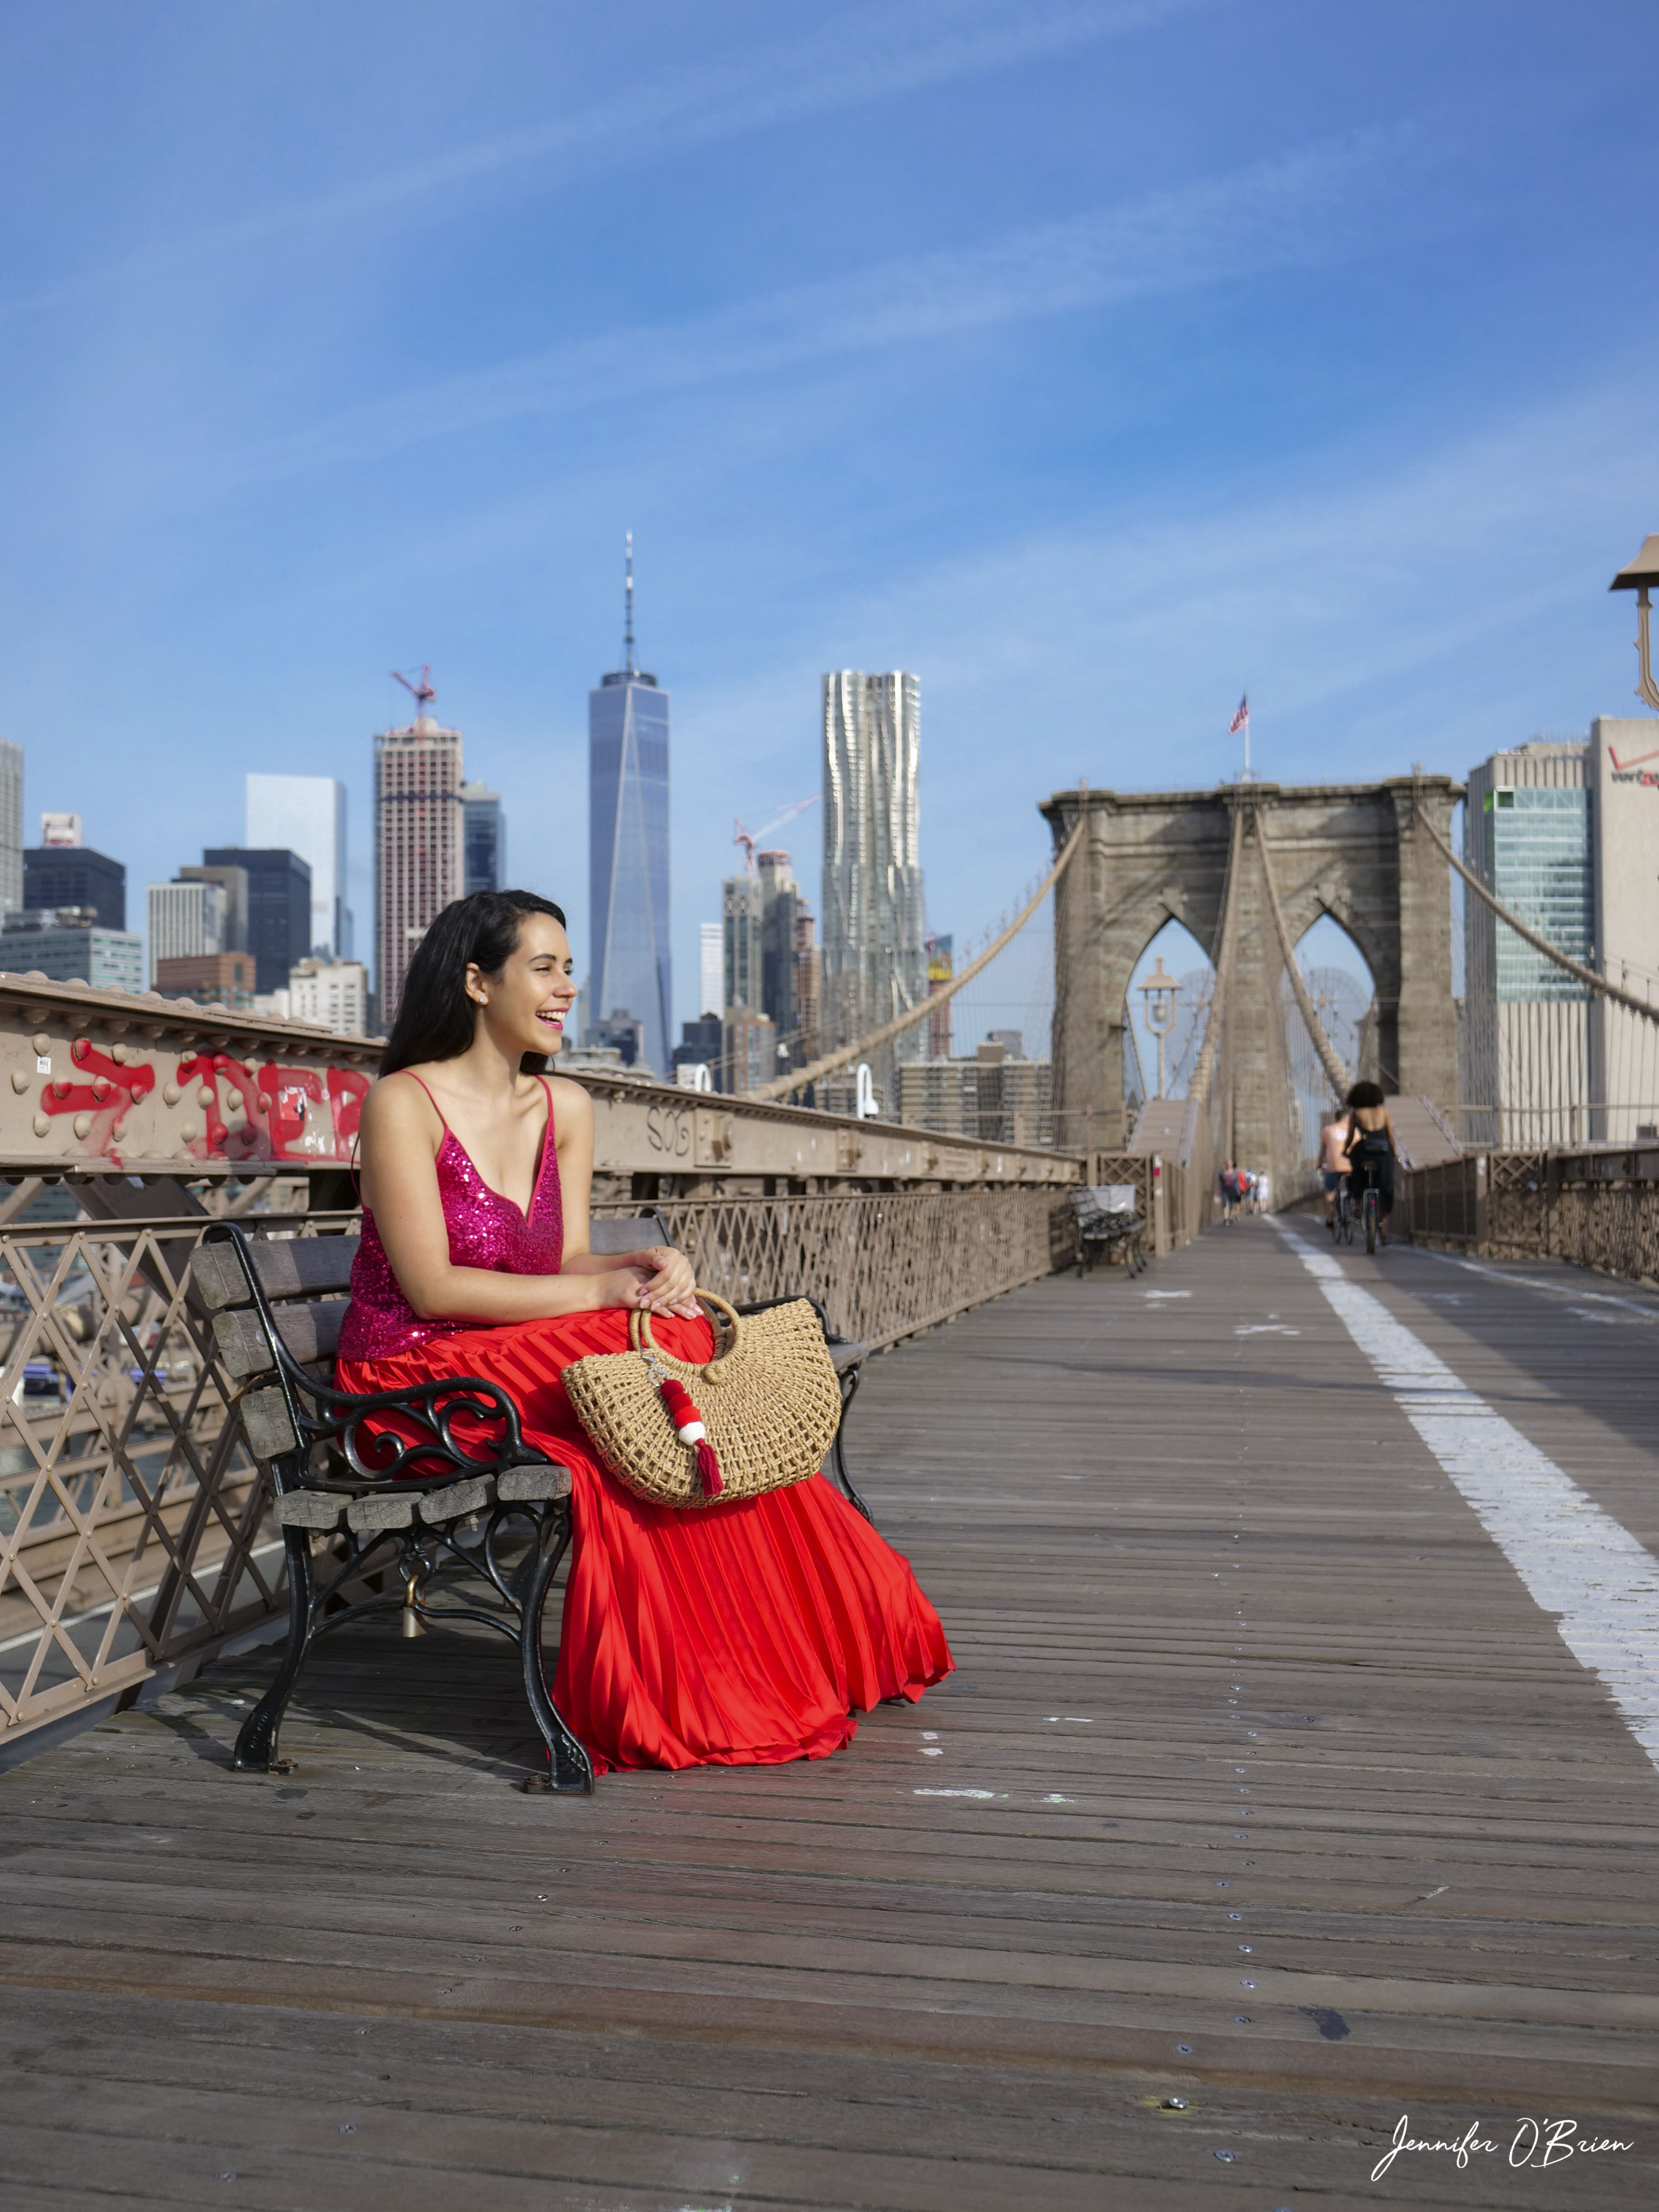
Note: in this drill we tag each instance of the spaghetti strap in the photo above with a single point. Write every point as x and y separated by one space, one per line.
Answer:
548 1152
436 1108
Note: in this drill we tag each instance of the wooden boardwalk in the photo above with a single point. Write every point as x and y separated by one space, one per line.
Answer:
1263 1784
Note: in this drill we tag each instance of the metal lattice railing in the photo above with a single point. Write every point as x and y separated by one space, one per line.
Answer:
1597 1209
135 1531
884 1265
132 1528
1613 1225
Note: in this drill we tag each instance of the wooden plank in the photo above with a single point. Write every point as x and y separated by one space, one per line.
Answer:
287 1268
883 1994
310 1333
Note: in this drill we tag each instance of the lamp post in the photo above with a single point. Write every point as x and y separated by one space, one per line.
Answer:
1159 1010
1642 572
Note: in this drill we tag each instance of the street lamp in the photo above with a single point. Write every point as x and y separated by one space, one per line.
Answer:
1159 1010
1642 572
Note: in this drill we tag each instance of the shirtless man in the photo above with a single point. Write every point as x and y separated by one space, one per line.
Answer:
1333 1165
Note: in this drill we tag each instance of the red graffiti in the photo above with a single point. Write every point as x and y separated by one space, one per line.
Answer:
346 1090
108 1088
278 1104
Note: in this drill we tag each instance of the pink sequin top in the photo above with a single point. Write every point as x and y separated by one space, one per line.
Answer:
485 1230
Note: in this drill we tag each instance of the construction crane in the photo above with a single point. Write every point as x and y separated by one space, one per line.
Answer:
749 838
422 691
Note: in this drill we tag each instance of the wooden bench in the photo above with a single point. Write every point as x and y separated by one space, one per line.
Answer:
471 1499
1107 1223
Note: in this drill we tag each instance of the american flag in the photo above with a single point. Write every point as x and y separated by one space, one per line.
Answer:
1241 720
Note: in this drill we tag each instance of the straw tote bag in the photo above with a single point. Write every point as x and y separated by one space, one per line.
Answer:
759 1415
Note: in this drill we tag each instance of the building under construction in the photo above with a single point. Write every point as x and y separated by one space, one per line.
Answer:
419 865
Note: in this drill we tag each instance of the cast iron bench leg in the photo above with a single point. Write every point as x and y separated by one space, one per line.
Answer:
849 1390
571 1770
256 1745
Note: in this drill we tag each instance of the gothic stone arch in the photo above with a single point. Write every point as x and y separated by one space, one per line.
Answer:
1349 850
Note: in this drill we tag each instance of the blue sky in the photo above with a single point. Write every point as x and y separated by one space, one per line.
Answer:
1094 358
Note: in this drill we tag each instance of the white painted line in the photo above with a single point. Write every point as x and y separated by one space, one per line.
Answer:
1576 1562
1565 1290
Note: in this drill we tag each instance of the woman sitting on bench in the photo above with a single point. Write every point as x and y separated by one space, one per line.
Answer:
741 1635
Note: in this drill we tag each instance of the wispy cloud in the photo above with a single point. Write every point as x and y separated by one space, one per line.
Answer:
1380 607
1315 206
860 54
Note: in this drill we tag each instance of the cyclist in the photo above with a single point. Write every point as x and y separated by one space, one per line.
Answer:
1333 1165
1370 1151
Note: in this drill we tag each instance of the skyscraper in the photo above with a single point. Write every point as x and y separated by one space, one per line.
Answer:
630 965
874 956
57 875
307 815
418 866
779 898
484 832
11 827
186 920
710 968
278 924
1526 835
1624 816
233 880
740 943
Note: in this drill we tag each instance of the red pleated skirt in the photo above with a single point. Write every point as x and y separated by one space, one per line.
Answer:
737 1635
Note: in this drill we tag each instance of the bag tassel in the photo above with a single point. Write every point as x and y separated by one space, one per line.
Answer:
690 1429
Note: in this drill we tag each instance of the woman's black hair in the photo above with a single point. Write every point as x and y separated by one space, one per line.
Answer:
436 1020
1366 1094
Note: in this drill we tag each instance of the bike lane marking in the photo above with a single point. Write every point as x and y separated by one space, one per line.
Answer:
1576 1561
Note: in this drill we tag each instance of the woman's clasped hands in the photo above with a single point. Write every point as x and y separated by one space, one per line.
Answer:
659 1280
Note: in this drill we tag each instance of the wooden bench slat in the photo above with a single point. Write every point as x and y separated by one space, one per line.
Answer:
634 1233
287 1268
310 1333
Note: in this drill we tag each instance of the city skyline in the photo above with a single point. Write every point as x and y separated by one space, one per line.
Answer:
1048 385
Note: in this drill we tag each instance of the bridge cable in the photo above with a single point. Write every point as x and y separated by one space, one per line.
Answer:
1204 1074
1564 961
1335 1074
781 1086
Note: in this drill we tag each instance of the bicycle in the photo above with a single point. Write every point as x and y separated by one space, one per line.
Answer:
1371 1205
1342 1214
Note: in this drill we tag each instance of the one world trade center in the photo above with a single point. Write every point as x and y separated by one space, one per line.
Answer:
631 976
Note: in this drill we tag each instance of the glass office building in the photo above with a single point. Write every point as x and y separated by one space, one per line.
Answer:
629 966
1530 836
307 815
1536 856
483 839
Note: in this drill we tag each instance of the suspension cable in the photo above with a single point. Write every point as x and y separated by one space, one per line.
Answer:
1564 961
1335 1074
1204 1074
781 1086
